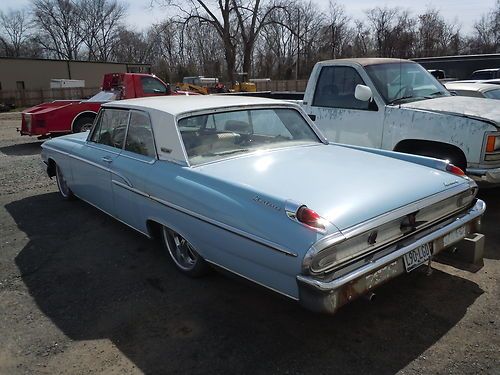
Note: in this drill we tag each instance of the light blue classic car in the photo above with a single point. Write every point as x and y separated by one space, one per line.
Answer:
251 186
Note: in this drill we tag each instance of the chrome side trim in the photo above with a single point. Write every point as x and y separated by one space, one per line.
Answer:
208 220
252 280
328 286
91 145
152 161
89 162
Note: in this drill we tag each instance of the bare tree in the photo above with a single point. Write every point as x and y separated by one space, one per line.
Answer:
337 31
486 38
14 31
101 20
60 25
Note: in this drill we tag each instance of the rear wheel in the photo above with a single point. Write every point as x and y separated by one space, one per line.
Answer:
183 254
62 185
83 123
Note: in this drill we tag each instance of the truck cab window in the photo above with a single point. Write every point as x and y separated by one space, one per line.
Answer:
336 86
151 85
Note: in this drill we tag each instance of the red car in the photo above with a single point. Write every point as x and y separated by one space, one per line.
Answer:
73 116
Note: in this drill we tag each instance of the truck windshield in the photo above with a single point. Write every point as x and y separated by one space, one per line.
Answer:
493 94
103 96
405 82
211 137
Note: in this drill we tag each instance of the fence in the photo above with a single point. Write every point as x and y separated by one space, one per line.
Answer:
28 98
295 85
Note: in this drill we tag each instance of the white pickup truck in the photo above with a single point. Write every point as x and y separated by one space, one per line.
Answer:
397 105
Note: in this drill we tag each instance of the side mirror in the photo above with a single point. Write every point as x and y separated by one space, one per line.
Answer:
363 93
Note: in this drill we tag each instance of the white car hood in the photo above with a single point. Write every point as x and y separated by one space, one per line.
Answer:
476 108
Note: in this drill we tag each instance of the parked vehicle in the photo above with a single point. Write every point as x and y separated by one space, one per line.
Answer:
73 116
477 90
397 105
486 74
250 185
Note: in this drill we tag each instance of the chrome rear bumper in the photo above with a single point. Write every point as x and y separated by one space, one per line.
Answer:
328 294
485 176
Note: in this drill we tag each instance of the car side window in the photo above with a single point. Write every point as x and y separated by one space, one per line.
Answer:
111 127
152 85
140 136
336 86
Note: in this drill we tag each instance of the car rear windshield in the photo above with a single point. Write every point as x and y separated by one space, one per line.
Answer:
211 137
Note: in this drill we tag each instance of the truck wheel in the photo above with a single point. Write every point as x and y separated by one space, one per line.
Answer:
83 123
185 257
62 185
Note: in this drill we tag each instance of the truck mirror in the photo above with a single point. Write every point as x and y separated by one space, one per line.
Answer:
363 93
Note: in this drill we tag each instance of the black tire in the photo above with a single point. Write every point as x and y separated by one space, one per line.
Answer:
83 123
62 185
184 256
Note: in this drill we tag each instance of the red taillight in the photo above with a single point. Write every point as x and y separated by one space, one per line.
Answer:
309 217
455 170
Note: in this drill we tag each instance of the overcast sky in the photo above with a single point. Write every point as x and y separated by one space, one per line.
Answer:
466 12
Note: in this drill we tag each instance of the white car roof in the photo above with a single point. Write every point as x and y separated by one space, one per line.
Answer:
471 86
178 104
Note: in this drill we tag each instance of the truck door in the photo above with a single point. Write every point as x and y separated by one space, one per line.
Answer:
340 116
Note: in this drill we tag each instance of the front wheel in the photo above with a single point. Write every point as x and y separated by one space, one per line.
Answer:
183 254
62 185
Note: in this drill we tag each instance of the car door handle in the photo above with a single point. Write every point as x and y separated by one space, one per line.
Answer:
106 159
312 117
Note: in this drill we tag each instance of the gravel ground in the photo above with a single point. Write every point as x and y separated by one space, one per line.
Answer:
81 293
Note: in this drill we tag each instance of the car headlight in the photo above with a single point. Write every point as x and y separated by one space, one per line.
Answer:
492 147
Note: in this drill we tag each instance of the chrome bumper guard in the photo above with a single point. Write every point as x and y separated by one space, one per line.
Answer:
485 176
325 295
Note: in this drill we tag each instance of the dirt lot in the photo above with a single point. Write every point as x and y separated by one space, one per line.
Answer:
82 293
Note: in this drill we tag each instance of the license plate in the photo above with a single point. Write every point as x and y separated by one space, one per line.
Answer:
417 256
454 236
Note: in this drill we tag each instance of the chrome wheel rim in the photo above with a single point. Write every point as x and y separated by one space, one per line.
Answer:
86 127
180 250
61 183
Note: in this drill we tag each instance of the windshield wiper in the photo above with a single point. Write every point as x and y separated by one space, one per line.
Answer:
397 100
434 94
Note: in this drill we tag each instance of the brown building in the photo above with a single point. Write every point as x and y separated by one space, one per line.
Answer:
35 74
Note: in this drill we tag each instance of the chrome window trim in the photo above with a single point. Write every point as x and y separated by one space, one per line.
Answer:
231 157
95 145
321 138
208 220
151 161
89 162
